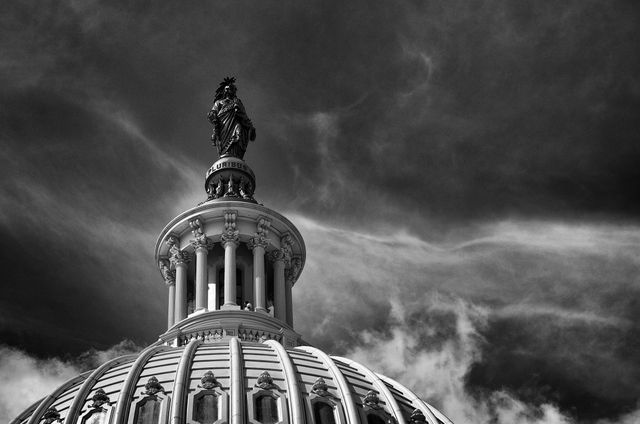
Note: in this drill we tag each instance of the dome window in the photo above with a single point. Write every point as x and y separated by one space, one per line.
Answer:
325 407
153 408
266 409
323 413
209 405
374 413
266 403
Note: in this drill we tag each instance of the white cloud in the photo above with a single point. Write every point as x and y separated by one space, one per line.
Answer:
26 379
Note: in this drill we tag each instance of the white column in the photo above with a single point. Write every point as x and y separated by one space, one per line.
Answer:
230 246
212 295
172 304
280 302
201 277
258 245
289 303
181 290
170 281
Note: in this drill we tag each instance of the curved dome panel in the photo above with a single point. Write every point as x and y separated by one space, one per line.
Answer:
235 382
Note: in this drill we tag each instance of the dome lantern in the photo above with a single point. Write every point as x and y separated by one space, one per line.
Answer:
230 354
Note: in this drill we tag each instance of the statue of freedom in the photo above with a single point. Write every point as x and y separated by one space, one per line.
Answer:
232 128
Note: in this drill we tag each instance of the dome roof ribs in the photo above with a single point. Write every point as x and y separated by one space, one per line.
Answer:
290 376
129 385
380 386
415 400
237 381
343 387
439 415
49 400
83 392
181 385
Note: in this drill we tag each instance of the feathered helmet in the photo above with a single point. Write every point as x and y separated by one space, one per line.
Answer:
227 81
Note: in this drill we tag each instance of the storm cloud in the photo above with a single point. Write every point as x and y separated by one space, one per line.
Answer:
464 175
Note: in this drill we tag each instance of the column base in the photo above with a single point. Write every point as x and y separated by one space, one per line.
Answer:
230 307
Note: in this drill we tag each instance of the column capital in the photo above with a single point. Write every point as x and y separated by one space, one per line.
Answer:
276 255
202 244
258 241
292 273
168 275
180 258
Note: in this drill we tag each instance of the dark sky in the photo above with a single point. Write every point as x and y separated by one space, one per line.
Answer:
465 175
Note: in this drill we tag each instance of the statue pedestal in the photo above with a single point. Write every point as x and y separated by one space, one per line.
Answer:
230 178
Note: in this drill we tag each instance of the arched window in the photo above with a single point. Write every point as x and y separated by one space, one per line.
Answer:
323 413
206 408
153 408
148 411
374 419
209 404
266 409
96 417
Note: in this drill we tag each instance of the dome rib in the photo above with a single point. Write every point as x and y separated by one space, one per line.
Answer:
88 384
129 384
181 385
236 381
290 376
439 415
379 385
343 387
415 400
49 400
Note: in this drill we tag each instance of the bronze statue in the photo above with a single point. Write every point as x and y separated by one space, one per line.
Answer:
232 128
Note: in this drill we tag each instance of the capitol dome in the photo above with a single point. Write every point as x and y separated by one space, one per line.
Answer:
230 353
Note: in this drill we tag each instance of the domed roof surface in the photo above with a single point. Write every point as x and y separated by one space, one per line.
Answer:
231 381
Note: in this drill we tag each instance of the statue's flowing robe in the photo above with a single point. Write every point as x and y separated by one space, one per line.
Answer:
232 127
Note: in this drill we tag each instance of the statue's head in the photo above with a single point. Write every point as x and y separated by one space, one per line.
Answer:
227 88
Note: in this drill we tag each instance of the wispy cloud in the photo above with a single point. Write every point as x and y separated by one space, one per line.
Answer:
26 379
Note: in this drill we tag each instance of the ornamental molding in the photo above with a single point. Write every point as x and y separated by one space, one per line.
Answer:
231 233
276 255
321 388
258 241
372 400
152 387
262 231
263 224
292 273
51 415
286 245
99 398
208 381
265 382
180 257
417 417
168 275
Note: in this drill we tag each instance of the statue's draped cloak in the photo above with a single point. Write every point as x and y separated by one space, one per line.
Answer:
232 127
